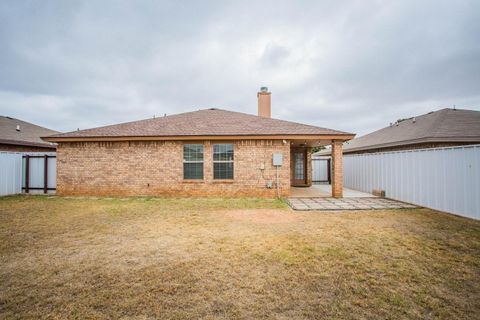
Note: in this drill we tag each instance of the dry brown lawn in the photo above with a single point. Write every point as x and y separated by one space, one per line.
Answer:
238 259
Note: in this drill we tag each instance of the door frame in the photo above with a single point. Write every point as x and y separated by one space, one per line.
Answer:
297 182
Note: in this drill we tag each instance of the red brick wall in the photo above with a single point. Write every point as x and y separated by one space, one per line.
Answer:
156 168
309 166
337 169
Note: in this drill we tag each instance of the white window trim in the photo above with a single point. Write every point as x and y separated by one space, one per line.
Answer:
223 161
194 161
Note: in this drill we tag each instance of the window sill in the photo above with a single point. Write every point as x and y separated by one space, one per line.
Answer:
193 181
223 181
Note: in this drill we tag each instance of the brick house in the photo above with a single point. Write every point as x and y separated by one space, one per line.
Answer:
21 136
209 152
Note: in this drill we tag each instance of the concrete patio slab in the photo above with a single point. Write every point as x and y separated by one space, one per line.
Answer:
325 191
360 203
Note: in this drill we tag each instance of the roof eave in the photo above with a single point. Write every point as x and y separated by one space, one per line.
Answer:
341 137
411 142
28 143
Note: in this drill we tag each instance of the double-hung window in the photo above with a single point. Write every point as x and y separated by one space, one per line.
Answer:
223 161
193 161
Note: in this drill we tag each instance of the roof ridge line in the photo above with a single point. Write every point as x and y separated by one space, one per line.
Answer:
202 113
127 122
276 119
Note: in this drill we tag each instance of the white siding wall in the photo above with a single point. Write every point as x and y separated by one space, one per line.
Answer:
446 179
10 173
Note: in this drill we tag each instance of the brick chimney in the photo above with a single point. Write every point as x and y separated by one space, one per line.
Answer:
264 103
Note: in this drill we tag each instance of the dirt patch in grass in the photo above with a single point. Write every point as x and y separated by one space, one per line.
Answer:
262 216
232 258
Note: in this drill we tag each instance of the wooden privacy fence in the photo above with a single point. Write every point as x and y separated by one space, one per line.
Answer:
33 172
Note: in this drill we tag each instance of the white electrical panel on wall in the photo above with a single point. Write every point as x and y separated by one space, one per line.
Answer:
277 159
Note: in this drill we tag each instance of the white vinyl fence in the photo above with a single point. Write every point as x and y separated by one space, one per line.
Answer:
446 179
10 173
13 172
320 170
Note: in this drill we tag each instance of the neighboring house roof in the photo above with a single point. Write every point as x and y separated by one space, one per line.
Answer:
445 125
28 134
207 122
322 153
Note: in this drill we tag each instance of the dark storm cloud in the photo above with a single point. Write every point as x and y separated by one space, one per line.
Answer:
353 66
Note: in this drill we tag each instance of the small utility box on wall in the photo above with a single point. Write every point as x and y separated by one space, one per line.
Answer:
277 159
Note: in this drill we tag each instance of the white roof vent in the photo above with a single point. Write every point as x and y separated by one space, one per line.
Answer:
18 127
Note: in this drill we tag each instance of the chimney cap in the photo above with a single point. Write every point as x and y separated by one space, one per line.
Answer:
264 89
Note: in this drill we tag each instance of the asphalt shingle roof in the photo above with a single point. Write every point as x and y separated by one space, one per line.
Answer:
445 125
207 122
28 135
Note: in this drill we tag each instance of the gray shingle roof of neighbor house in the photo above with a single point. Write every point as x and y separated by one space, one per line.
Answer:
207 122
28 134
445 125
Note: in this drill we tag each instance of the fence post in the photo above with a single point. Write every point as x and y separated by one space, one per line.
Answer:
329 174
27 173
45 175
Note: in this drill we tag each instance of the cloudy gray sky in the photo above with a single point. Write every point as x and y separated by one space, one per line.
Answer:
347 65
